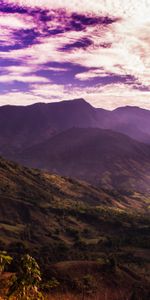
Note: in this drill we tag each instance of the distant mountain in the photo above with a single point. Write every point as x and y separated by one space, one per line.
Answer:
66 138
102 157
130 120
24 126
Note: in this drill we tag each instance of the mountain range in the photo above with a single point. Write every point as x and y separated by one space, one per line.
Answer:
102 157
110 149
23 126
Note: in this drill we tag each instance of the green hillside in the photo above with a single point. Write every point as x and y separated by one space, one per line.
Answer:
56 218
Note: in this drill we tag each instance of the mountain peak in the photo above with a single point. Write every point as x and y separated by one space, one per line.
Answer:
127 107
78 101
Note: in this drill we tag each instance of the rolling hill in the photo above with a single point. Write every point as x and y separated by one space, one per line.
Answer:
33 201
102 157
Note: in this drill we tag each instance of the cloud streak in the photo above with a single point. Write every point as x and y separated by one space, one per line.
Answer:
80 48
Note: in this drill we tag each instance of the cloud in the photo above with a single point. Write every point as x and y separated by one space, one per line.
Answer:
109 97
22 74
15 21
13 26
13 78
48 91
136 9
55 69
106 97
90 74
127 55
17 98
81 43
104 42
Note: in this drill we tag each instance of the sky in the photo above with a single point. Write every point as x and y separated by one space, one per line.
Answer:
54 50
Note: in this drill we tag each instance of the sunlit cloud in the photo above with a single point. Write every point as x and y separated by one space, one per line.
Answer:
15 98
106 45
105 97
48 91
12 78
15 21
136 9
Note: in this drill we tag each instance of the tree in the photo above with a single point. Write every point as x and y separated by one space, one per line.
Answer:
5 259
25 285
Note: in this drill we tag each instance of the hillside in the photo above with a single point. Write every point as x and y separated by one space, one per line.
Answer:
102 157
96 280
56 218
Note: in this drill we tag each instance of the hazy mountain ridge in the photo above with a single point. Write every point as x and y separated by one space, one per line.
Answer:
101 157
28 125
73 138
24 126
131 120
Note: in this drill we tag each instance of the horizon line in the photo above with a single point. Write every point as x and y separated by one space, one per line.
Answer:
75 99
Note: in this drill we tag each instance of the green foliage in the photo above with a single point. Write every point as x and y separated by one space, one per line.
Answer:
50 285
26 282
5 259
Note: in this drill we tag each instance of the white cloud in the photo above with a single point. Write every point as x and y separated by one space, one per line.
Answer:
112 96
22 78
9 23
128 54
18 98
22 74
48 91
15 21
91 74
107 97
137 9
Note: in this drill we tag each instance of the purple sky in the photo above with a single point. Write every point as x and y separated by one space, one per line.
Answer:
57 50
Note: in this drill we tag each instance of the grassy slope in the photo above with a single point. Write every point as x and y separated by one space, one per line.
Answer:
57 219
